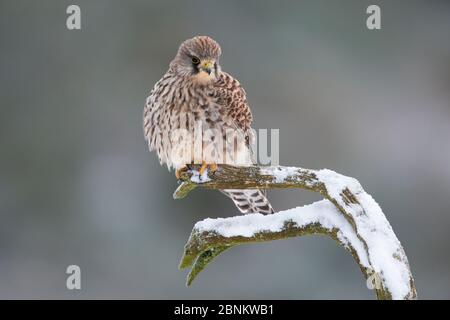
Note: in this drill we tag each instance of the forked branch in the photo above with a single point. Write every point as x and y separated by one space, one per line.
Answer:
348 215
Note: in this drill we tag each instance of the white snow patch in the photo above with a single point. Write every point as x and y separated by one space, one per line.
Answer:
322 212
279 173
386 255
197 178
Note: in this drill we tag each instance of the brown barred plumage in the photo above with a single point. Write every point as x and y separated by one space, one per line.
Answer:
195 98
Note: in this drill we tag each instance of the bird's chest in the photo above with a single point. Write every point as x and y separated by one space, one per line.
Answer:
200 107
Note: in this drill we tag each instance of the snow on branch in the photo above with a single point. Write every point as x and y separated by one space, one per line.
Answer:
347 214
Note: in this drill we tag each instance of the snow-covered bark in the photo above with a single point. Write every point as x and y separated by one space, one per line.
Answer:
347 214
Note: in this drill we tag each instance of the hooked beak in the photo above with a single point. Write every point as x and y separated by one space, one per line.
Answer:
206 66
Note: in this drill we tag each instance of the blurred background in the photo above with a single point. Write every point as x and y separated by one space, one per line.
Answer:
78 185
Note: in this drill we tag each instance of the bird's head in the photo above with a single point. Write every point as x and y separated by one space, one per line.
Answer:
199 58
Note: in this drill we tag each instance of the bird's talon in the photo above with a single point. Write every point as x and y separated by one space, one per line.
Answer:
180 171
202 168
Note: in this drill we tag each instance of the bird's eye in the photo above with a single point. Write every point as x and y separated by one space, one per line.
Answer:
195 60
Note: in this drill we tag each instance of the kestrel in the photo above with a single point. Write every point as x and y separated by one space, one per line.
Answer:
198 114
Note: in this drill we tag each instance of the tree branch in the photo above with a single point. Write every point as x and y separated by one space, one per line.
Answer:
348 215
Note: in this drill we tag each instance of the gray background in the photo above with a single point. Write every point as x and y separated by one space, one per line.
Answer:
78 185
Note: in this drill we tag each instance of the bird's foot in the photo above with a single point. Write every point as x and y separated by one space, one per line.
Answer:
180 171
212 167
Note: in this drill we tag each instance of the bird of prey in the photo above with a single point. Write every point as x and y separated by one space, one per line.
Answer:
198 114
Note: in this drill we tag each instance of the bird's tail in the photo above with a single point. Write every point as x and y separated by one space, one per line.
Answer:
250 200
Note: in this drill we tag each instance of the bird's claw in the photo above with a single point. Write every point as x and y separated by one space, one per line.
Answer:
180 171
212 167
